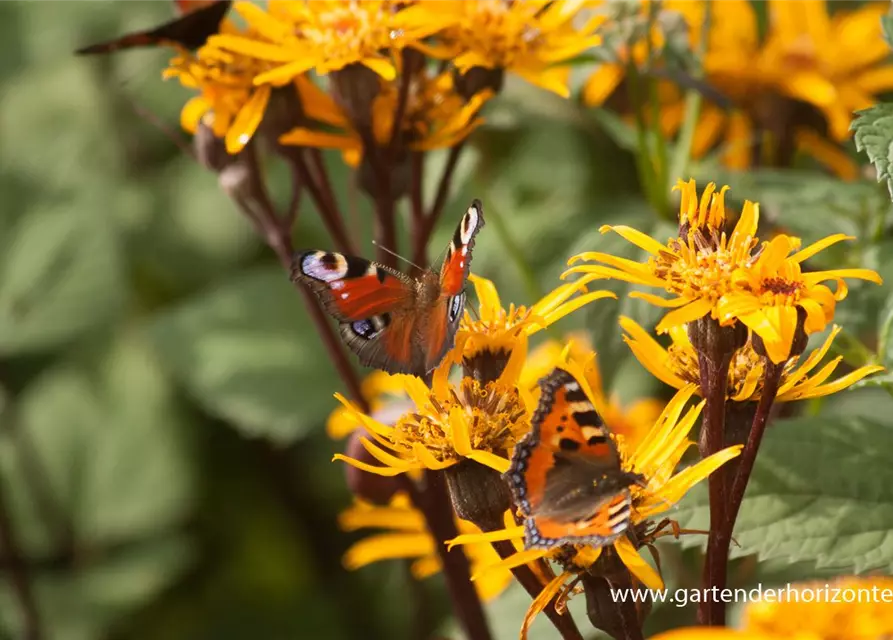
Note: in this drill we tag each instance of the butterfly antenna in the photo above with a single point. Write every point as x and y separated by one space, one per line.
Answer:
398 256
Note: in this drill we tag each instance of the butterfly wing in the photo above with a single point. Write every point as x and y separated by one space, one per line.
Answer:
457 262
373 304
565 475
200 21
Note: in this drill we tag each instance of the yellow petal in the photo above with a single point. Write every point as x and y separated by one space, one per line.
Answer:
514 560
427 458
838 385
689 313
509 533
403 519
254 48
381 66
488 298
304 137
821 245
542 600
192 113
285 73
247 120
491 460
460 434
638 238
637 564
388 546
672 303
379 471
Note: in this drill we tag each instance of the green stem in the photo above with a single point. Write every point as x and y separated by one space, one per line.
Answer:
693 98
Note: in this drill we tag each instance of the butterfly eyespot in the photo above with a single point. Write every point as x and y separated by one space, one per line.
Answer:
457 303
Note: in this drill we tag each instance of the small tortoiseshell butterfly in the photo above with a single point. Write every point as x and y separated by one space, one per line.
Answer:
200 20
390 320
565 474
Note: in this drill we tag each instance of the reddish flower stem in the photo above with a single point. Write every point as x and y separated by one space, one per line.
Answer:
443 191
721 536
525 576
714 383
328 210
18 575
433 501
277 234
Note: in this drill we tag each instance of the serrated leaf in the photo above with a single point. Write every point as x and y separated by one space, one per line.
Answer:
249 354
821 491
874 135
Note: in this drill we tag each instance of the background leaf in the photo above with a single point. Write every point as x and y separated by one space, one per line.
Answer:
820 492
874 135
244 351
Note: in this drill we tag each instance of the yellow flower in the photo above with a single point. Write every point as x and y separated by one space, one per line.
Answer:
765 295
697 269
324 35
631 422
436 117
534 39
655 457
480 417
709 273
677 366
406 536
787 615
836 64
228 103
505 331
380 390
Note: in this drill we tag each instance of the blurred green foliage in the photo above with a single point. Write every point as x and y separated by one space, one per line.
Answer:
164 394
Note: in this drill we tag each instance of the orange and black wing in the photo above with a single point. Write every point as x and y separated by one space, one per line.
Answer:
565 475
200 21
373 304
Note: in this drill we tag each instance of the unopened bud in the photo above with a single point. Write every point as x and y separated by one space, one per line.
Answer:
619 618
479 494
211 150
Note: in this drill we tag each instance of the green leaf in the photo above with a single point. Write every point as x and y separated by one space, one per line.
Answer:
619 131
874 135
95 450
887 29
885 326
249 354
821 491
60 275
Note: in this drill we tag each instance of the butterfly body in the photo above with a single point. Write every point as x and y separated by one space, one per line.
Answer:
565 474
392 321
200 20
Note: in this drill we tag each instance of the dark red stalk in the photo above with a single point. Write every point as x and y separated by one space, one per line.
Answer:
433 501
525 576
261 211
714 383
443 191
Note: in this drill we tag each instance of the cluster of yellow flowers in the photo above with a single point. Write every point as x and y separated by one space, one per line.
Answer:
480 419
369 51
792 86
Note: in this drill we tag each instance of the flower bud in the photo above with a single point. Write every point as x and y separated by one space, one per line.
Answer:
211 150
619 619
479 494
